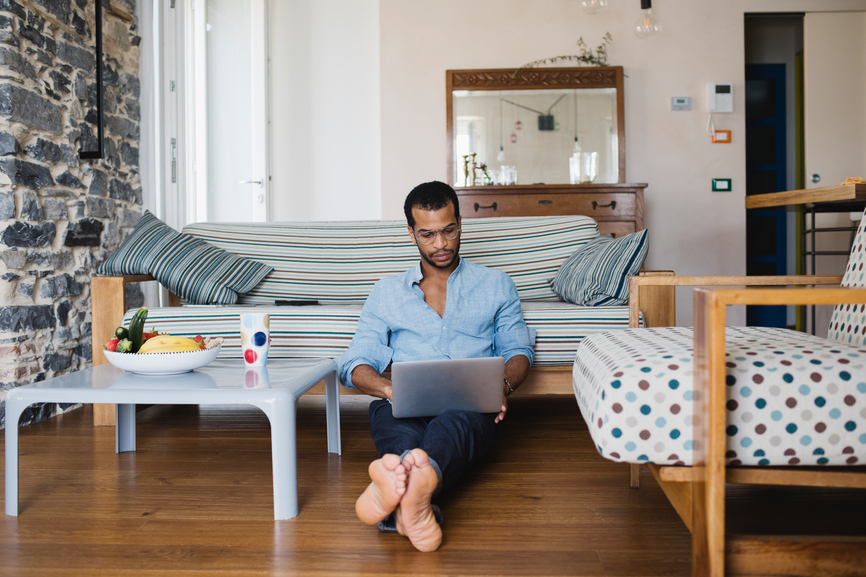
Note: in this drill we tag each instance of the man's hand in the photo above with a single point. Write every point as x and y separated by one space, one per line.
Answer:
368 380
502 412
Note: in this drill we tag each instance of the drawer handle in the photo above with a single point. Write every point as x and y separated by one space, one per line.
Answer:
477 206
545 201
611 205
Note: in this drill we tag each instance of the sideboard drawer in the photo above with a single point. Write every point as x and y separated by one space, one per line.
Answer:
600 205
618 228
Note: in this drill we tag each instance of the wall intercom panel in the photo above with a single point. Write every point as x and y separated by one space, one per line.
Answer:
720 97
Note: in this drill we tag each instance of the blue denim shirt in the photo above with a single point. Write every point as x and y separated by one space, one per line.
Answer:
482 319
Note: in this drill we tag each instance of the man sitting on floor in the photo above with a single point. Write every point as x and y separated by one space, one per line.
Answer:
443 308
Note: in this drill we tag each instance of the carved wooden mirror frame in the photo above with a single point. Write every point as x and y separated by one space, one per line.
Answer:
534 79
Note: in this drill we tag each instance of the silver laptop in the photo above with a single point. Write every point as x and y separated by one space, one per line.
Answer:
428 388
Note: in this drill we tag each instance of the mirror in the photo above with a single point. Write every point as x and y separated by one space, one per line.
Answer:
528 125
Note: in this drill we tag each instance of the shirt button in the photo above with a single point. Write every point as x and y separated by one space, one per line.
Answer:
443 328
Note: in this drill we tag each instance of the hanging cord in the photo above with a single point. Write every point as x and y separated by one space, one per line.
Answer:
711 125
500 125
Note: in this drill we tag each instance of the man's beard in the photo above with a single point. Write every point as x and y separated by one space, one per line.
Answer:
437 264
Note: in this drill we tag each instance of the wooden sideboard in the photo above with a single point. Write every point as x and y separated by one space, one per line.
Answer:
617 208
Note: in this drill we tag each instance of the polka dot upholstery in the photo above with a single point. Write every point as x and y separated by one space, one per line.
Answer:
793 399
848 323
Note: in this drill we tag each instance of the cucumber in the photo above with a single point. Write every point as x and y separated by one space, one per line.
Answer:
121 333
136 328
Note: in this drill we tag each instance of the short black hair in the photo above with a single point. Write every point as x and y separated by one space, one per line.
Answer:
430 196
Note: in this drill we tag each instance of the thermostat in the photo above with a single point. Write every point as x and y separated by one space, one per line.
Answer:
681 103
720 97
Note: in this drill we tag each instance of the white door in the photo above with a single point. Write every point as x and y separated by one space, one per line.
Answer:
230 110
834 55
835 84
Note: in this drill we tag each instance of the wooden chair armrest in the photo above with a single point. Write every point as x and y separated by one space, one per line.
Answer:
722 297
653 292
710 396
783 280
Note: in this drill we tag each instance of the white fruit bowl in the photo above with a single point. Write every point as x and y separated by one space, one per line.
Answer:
162 363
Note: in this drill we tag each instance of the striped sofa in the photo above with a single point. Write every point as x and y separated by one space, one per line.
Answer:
337 263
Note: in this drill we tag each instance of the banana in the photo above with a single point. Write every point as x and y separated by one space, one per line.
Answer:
169 344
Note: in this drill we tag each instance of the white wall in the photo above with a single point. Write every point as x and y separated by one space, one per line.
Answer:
692 230
325 126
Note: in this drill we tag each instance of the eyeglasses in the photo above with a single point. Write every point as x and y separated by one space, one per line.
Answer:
429 236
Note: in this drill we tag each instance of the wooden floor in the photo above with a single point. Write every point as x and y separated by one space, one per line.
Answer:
196 499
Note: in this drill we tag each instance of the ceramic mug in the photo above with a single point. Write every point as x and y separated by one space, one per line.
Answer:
255 338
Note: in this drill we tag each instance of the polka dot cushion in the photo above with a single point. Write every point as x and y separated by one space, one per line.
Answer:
793 399
848 323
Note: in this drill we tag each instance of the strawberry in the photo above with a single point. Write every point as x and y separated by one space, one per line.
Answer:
146 336
112 344
198 338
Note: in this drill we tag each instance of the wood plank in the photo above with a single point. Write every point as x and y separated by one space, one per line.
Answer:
796 476
737 281
788 296
825 194
708 488
554 380
679 494
657 301
793 556
108 298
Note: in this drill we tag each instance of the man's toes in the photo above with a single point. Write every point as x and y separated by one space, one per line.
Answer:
419 458
389 462
384 493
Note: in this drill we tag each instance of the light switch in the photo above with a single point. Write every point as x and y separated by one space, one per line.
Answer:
721 185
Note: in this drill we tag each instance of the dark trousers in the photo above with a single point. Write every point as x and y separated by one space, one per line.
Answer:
455 440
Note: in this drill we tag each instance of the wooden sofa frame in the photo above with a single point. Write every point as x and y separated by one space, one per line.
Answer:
697 493
108 299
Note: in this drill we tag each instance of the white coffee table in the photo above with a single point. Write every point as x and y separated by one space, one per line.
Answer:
224 382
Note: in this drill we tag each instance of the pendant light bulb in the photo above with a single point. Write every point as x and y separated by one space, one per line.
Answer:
593 6
647 25
501 156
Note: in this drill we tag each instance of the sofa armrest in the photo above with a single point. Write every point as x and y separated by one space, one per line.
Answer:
108 305
653 292
108 302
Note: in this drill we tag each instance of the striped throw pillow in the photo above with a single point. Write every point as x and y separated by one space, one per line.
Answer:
191 268
597 273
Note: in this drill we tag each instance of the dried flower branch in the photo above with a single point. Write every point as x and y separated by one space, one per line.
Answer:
586 57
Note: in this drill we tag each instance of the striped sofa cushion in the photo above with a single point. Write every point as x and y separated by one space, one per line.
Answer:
325 331
341 261
191 268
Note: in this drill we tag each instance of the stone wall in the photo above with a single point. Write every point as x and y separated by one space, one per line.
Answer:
60 216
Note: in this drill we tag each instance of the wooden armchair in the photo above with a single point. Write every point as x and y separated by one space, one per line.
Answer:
698 492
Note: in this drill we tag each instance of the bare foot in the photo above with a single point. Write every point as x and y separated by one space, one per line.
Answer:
415 518
383 495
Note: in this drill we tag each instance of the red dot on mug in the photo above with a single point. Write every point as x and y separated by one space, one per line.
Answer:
250 355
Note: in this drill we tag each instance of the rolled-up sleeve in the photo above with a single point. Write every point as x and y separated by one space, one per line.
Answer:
512 337
370 343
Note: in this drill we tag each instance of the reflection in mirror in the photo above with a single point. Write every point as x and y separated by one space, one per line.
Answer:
535 131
